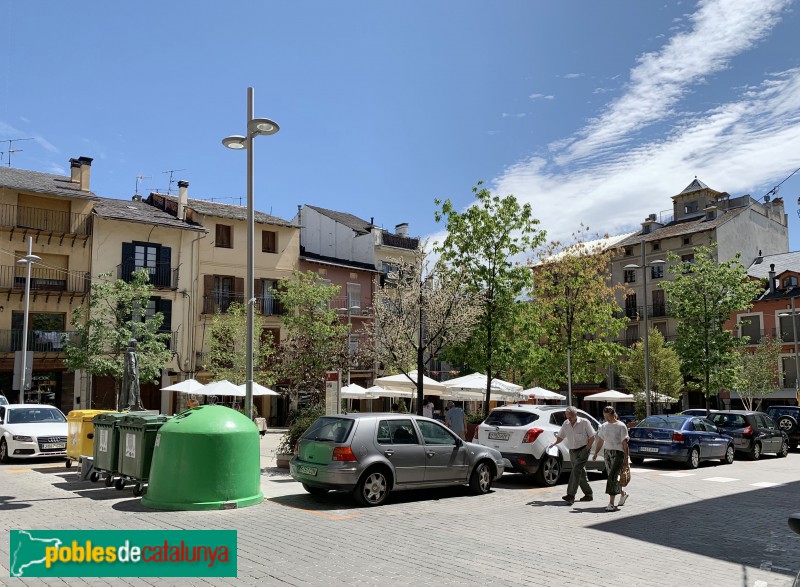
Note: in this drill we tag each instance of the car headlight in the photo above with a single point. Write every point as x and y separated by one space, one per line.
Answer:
22 438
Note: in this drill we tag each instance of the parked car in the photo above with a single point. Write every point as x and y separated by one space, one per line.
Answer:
683 438
3 400
754 433
32 431
522 433
372 455
788 419
702 412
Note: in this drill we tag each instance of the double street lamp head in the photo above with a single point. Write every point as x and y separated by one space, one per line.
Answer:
255 127
650 264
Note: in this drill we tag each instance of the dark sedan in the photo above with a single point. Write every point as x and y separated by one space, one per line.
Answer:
686 439
754 433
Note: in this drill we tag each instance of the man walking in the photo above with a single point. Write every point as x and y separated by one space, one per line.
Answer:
456 420
579 435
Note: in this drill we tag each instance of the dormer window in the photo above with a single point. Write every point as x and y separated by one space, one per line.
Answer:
690 207
789 281
656 246
628 251
687 240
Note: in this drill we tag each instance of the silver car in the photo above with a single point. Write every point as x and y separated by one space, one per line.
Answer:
373 454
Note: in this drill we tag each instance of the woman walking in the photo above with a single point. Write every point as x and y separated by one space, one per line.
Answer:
613 435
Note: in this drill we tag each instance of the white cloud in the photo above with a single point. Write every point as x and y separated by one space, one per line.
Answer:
541 97
573 75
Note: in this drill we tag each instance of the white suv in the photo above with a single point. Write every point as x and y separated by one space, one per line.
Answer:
522 433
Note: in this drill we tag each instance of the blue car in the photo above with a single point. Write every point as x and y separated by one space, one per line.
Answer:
683 438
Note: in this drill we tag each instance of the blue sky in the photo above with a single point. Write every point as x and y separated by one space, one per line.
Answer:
594 112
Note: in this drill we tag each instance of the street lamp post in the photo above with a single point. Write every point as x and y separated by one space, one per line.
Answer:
644 266
27 260
255 127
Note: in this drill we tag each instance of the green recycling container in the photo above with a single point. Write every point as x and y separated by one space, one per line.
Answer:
206 458
106 440
137 440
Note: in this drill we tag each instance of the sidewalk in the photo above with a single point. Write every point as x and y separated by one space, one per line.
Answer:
269 446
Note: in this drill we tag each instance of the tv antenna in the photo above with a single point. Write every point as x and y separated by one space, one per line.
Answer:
171 180
11 148
139 178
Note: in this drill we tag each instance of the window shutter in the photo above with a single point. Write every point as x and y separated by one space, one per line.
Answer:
165 307
208 294
238 289
268 241
163 269
127 261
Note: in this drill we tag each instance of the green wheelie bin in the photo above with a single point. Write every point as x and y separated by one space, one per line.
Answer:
106 441
137 439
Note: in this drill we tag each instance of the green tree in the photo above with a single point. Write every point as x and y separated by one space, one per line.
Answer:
485 242
419 311
757 372
227 354
702 296
113 316
575 308
665 371
316 341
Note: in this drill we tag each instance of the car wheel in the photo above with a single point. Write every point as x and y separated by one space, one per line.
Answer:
637 460
729 454
373 487
119 484
68 464
694 459
755 454
94 476
787 424
549 472
315 490
481 479
784 451
109 481
4 458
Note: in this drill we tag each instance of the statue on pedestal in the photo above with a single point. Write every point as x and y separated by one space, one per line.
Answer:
130 397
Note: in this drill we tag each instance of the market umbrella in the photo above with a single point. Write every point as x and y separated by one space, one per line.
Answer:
222 387
258 389
656 398
542 393
355 391
401 382
186 386
610 396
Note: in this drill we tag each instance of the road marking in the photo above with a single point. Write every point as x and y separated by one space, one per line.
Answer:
17 470
678 474
720 479
767 484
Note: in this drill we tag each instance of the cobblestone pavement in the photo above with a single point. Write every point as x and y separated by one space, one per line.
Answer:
721 525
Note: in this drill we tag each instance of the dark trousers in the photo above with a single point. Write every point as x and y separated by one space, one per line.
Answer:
614 460
578 458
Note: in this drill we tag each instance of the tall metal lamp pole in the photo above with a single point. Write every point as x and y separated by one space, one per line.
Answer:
27 260
255 127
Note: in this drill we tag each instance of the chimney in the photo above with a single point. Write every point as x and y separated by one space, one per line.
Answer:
74 170
650 224
183 199
137 197
86 168
772 278
401 229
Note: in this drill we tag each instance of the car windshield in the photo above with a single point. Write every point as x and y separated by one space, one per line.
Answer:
729 420
3 400
329 429
673 422
510 418
34 415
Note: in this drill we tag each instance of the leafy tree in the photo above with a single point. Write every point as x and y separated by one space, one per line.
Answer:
484 242
665 370
114 315
316 341
575 308
757 372
703 295
418 313
227 354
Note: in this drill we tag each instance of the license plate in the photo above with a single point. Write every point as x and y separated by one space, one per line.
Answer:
307 470
499 435
53 445
648 449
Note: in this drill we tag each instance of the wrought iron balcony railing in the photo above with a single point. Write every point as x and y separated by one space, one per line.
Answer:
39 341
45 279
47 221
161 275
265 305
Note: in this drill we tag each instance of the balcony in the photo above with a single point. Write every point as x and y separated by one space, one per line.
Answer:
161 275
39 341
265 305
633 312
341 303
400 242
786 335
44 279
658 310
50 222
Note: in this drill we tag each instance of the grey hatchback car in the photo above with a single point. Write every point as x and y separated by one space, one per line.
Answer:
372 454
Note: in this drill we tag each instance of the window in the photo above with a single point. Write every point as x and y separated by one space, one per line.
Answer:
688 258
659 304
657 271
629 276
331 429
224 239
789 281
353 343
510 418
631 311
397 432
751 326
788 329
789 372
687 240
223 292
656 246
269 241
690 207
661 327
153 258
435 434
632 334
353 295
265 297
628 251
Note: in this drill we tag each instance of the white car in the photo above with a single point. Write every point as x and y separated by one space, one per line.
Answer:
32 431
522 433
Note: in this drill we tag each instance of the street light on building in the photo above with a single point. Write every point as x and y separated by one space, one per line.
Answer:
27 260
255 127
644 266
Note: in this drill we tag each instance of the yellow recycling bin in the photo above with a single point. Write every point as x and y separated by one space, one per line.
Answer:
80 434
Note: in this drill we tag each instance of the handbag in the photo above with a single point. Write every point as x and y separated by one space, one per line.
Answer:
625 476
